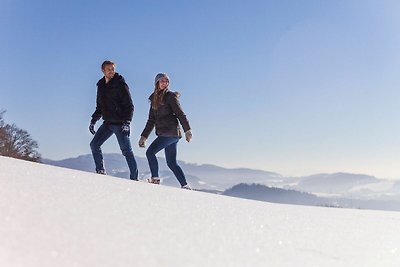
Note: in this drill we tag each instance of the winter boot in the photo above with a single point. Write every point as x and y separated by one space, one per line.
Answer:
154 180
186 186
101 172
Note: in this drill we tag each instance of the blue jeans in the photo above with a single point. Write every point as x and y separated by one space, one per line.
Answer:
170 145
103 133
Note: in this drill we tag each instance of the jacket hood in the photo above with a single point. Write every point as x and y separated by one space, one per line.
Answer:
167 92
117 77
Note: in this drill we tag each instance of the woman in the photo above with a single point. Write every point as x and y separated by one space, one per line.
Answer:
165 111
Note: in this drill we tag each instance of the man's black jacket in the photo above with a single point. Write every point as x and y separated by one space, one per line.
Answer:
114 102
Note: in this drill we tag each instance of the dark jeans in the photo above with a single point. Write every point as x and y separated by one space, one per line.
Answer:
103 133
170 145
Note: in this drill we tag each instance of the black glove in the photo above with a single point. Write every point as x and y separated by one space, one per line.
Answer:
91 128
126 129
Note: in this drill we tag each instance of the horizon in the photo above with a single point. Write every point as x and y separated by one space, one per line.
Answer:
294 87
229 168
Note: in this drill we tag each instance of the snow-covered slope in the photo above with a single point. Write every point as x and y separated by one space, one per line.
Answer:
50 216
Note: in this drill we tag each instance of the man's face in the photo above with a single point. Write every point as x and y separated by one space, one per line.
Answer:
109 71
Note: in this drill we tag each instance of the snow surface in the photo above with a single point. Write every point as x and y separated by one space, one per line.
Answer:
50 216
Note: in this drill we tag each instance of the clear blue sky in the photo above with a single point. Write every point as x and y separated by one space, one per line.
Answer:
295 87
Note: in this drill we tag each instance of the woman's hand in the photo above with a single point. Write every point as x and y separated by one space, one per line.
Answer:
142 141
188 135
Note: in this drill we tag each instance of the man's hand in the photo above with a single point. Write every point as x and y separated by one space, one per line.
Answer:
91 128
126 129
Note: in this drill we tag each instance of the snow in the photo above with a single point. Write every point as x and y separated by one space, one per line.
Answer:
50 216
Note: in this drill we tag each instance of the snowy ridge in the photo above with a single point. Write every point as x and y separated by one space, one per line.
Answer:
51 216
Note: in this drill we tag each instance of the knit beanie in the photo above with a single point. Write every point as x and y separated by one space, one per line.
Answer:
160 76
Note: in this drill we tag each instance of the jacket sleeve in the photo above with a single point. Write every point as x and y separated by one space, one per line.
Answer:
97 113
126 103
177 109
150 124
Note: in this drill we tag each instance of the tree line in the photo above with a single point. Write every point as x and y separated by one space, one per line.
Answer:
16 142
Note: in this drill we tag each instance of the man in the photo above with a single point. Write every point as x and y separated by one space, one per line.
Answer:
114 104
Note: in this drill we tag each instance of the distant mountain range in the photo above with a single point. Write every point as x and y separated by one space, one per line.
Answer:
204 176
213 178
273 194
286 196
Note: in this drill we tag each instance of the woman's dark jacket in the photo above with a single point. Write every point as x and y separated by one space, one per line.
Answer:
114 102
166 117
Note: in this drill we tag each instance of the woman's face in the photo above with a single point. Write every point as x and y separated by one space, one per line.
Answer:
163 83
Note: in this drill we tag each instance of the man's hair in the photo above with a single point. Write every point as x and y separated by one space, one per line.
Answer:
105 63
